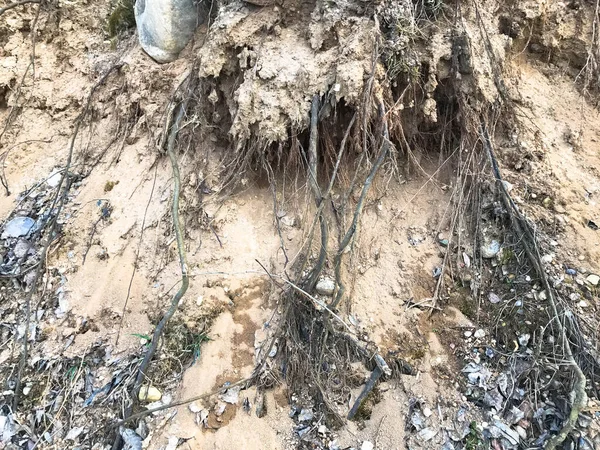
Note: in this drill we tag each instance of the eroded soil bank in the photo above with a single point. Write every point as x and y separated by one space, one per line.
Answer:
437 280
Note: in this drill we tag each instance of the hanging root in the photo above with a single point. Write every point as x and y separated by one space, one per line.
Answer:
313 158
522 228
319 345
180 250
350 233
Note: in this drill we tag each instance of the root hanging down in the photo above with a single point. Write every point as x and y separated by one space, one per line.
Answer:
522 228
319 345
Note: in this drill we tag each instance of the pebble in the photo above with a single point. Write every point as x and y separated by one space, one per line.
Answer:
494 298
490 250
583 304
479 333
19 226
547 259
306 415
149 394
194 407
367 445
468 334
593 279
427 412
325 286
524 339
426 434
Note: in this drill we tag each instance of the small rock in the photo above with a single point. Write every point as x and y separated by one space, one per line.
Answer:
547 258
173 443
524 339
149 394
494 298
231 395
194 407
54 179
427 412
306 415
325 286
74 433
322 429
22 248
583 304
593 279
479 333
542 295
19 226
571 272
490 250
547 202
220 408
426 434
288 221
367 445
468 334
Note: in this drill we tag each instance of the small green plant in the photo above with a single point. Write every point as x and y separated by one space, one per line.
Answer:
72 371
194 347
473 440
121 18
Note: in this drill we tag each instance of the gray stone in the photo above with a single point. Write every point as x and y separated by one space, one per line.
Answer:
325 286
19 226
306 415
593 279
165 26
490 250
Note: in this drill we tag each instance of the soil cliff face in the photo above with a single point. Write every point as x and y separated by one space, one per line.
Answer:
389 211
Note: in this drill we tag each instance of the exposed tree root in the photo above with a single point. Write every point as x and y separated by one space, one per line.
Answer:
523 229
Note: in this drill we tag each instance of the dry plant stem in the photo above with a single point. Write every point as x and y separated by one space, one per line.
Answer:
385 146
57 205
16 4
523 229
180 249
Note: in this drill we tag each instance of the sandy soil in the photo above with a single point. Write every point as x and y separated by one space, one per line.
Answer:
122 293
